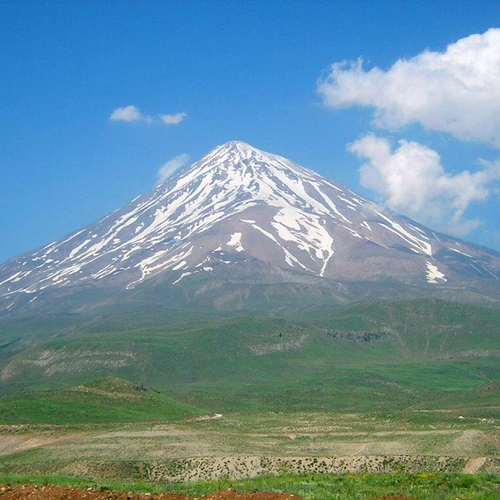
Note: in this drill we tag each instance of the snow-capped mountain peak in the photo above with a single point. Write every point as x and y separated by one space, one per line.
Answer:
240 204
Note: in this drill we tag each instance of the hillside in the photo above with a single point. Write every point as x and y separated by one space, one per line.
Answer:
109 400
379 356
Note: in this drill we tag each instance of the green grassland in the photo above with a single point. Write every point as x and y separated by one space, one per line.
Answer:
95 394
386 358
108 400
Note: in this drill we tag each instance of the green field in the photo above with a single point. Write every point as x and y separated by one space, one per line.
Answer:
108 400
380 357
379 380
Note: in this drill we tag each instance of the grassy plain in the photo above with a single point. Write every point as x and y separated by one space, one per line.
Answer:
373 383
240 445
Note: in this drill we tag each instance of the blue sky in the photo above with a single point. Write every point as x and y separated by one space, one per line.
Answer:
397 99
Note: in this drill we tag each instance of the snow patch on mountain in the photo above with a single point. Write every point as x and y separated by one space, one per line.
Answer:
418 244
433 274
235 241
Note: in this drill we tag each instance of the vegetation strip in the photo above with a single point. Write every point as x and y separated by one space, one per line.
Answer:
239 468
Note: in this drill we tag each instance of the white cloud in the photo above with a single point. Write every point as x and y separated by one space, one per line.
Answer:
134 114
128 114
169 168
173 119
455 91
412 181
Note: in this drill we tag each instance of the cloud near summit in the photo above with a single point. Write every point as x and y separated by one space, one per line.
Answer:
169 168
456 92
411 180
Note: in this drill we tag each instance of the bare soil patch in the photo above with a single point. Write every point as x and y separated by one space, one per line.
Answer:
66 493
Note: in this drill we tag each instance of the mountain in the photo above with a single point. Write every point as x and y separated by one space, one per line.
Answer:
241 224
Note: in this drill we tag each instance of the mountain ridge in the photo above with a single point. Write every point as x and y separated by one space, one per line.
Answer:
241 208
